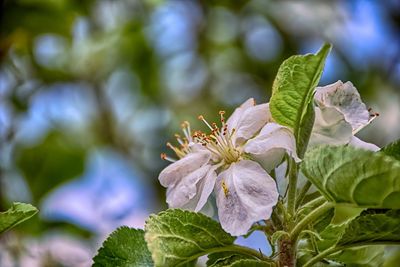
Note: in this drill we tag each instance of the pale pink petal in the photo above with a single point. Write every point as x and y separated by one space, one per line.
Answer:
271 144
186 189
252 121
173 173
330 127
234 119
245 194
345 98
205 188
358 143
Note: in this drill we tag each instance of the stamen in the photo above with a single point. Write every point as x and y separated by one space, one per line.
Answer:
186 130
165 157
372 116
219 141
222 113
206 123
177 151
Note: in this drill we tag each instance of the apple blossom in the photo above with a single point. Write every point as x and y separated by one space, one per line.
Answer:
233 160
339 115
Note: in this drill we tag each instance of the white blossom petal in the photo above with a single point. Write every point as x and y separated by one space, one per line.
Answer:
186 189
270 145
205 188
281 172
356 142
173 173
252 121
330 127
233 120
245 194
345 98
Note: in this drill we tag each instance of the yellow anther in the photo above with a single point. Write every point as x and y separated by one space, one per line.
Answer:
225 188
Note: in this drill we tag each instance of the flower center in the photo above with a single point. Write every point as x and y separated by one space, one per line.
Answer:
219 141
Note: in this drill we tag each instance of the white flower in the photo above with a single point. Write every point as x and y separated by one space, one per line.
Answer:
339 115
224 160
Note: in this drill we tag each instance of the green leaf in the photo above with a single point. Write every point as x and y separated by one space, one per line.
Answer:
18 213
356 177
392 256
366 256
330 236
305 129
392 149
176 237
325 220
344 213
293 91
224 259
369 256
124 247
359 237
250 263
373 226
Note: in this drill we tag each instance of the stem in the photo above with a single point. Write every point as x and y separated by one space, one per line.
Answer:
232 248
322 255
287 253
312 216
291 204
313 203
303 193
316 201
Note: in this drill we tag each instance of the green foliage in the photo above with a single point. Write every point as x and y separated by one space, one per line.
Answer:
392 149
345 213
293 92
330 236
323 221
124 247
373 226
366 256
392 256
250 263
305 129
369 256
176 237
224 259
18 213
50 163
357 177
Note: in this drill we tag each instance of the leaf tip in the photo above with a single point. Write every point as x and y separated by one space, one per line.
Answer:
325 49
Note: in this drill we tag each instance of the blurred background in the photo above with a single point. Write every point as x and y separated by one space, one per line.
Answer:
90 92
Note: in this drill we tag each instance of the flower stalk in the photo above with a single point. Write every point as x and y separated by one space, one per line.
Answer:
292 190
311 217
